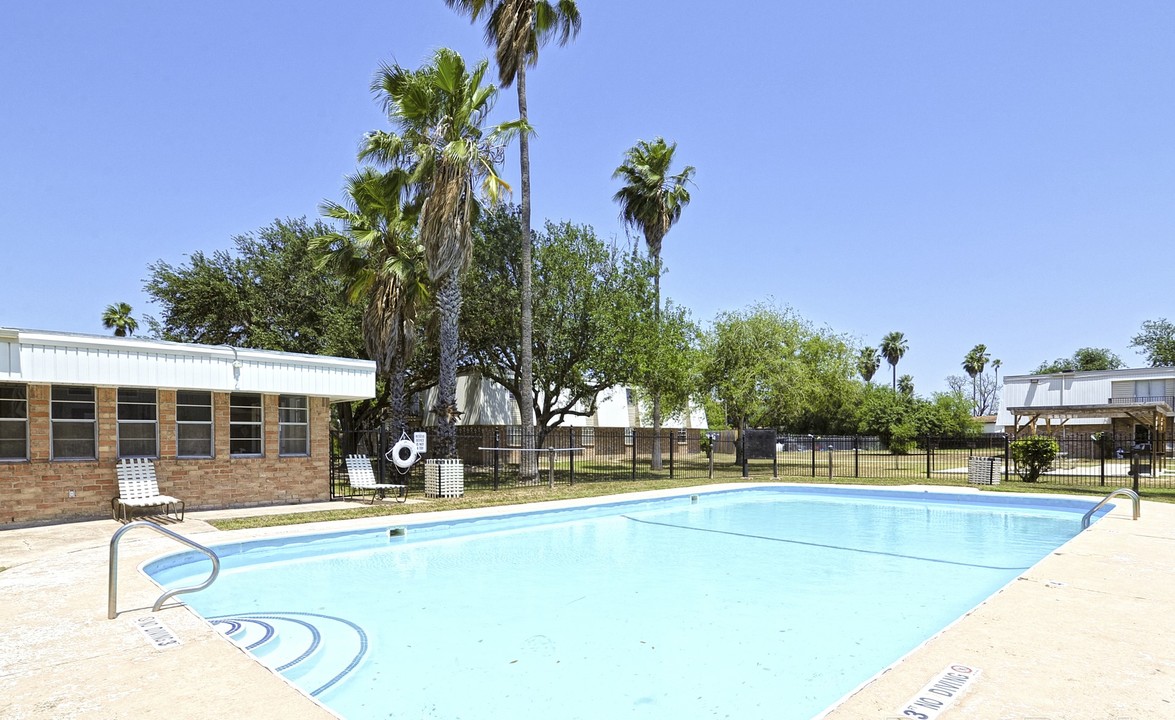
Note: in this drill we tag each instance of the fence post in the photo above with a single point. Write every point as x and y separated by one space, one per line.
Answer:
634 441
713 442
672 442
381 462
1007 457
928 451
856 456
550 468
775 458
1102 453
571 457
497 444
813 439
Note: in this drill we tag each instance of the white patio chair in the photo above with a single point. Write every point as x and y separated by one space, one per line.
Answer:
138 488
362 478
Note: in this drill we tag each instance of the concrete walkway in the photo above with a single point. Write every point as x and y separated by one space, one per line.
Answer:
1084 635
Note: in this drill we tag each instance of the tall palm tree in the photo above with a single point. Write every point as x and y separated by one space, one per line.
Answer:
516 29
973 364
995 365
382 262
867 363
438 114
893 347
651 201
117 317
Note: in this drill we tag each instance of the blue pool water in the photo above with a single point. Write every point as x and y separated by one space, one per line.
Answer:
767 603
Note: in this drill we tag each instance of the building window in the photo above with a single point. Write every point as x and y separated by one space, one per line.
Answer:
193 424
682 438
629 434
74 425
1150 390
244 425
14 422
138 427
587 436
293 425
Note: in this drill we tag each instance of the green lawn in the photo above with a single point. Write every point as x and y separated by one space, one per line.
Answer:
538 493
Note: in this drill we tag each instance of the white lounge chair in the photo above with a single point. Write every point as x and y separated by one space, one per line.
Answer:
362 478
138 488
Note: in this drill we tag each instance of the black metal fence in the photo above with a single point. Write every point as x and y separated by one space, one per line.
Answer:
491 457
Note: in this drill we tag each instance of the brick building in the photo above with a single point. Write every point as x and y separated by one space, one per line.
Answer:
226 427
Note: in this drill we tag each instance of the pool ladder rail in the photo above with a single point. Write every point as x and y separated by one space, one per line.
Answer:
1126 492
112 585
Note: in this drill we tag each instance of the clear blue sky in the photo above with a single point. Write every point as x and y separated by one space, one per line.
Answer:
996 172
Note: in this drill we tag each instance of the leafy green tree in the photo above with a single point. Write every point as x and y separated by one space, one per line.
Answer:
1083 359
1033 455
516 29
117 317
379 258
651 201
266 293
893 347
1156 342
440 141
882 411
768 367
592 315
868 361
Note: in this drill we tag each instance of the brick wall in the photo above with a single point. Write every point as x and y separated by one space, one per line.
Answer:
38 491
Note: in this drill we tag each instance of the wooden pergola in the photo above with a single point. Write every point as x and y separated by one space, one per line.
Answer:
1151 414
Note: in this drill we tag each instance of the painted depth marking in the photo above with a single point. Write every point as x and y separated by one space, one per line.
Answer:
158 633
940 693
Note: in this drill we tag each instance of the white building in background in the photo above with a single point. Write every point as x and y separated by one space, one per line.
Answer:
483 401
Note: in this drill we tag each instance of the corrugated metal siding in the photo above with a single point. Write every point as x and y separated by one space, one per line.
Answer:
53 363
9 360
1122 389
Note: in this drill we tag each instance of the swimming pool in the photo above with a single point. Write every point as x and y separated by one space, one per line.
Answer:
763 603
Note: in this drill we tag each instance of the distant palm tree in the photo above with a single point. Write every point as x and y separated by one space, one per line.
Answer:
517 29
117 317
973 364
382 263
893 347
906 385
868 362
438 112
651 201
995 365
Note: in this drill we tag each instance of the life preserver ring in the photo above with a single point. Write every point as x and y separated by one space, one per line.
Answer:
404 454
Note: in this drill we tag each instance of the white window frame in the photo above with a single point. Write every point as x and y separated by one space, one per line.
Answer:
23 419
513 436
682 436
120 421
629 435
259 424
181 424
55 421
283 424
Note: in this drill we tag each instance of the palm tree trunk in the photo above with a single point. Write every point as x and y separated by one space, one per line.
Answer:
399 371
894 366
528 463
449 307
655 463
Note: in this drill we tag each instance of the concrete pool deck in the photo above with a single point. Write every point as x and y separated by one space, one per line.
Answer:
1086 634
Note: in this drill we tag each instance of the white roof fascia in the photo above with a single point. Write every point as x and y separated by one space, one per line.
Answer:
64 358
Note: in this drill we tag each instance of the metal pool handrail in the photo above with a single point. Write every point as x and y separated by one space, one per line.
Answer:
1120 491
112 588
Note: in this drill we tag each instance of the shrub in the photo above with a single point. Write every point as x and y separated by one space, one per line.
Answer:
1033 455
